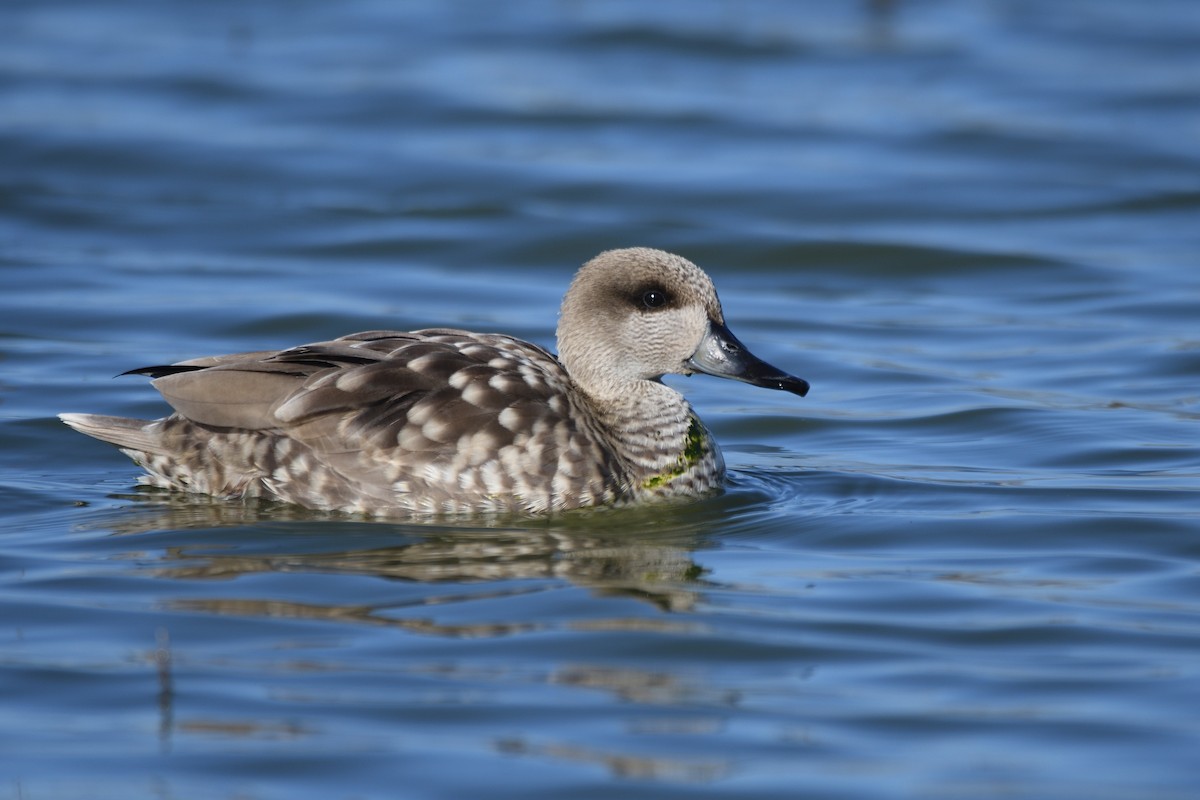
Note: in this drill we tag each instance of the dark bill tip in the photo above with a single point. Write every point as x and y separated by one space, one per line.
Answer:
786 383
722 355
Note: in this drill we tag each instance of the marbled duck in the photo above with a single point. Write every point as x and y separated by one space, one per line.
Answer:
443 421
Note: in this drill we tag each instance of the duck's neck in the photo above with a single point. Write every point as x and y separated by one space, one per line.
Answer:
662 442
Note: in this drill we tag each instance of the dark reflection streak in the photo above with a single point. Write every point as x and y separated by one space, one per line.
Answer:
645 687
622 766
881 23
166 689
369 615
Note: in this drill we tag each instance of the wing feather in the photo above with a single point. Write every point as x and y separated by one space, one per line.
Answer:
377 390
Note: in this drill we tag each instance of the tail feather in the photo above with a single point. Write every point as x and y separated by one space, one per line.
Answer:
139 435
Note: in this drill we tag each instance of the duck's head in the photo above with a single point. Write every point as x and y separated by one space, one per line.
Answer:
637 314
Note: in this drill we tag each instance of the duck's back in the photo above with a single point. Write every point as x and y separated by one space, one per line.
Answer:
429 421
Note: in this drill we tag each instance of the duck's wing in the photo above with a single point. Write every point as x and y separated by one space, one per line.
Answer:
371 385
430 420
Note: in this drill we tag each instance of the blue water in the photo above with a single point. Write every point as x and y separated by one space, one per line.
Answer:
965 566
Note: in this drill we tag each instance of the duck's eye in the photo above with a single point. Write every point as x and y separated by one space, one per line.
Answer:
654 298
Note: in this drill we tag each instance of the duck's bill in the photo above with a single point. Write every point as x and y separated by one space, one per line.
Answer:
721 354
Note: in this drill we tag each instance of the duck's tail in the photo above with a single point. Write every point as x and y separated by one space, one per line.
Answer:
137 435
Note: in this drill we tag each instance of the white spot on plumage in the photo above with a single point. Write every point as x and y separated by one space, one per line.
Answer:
348 382
491 477
511 419
422 412
438 429
477 393
505 384
411 438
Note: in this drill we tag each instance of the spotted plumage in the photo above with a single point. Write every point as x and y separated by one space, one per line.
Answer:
445 421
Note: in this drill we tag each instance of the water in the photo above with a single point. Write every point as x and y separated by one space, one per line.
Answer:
965 566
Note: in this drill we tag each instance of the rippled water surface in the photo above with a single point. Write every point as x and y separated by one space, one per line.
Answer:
964 567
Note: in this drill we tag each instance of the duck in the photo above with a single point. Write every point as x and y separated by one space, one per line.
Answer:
444 421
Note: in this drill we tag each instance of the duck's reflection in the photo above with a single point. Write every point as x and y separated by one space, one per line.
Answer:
634 553
456 581
628 685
